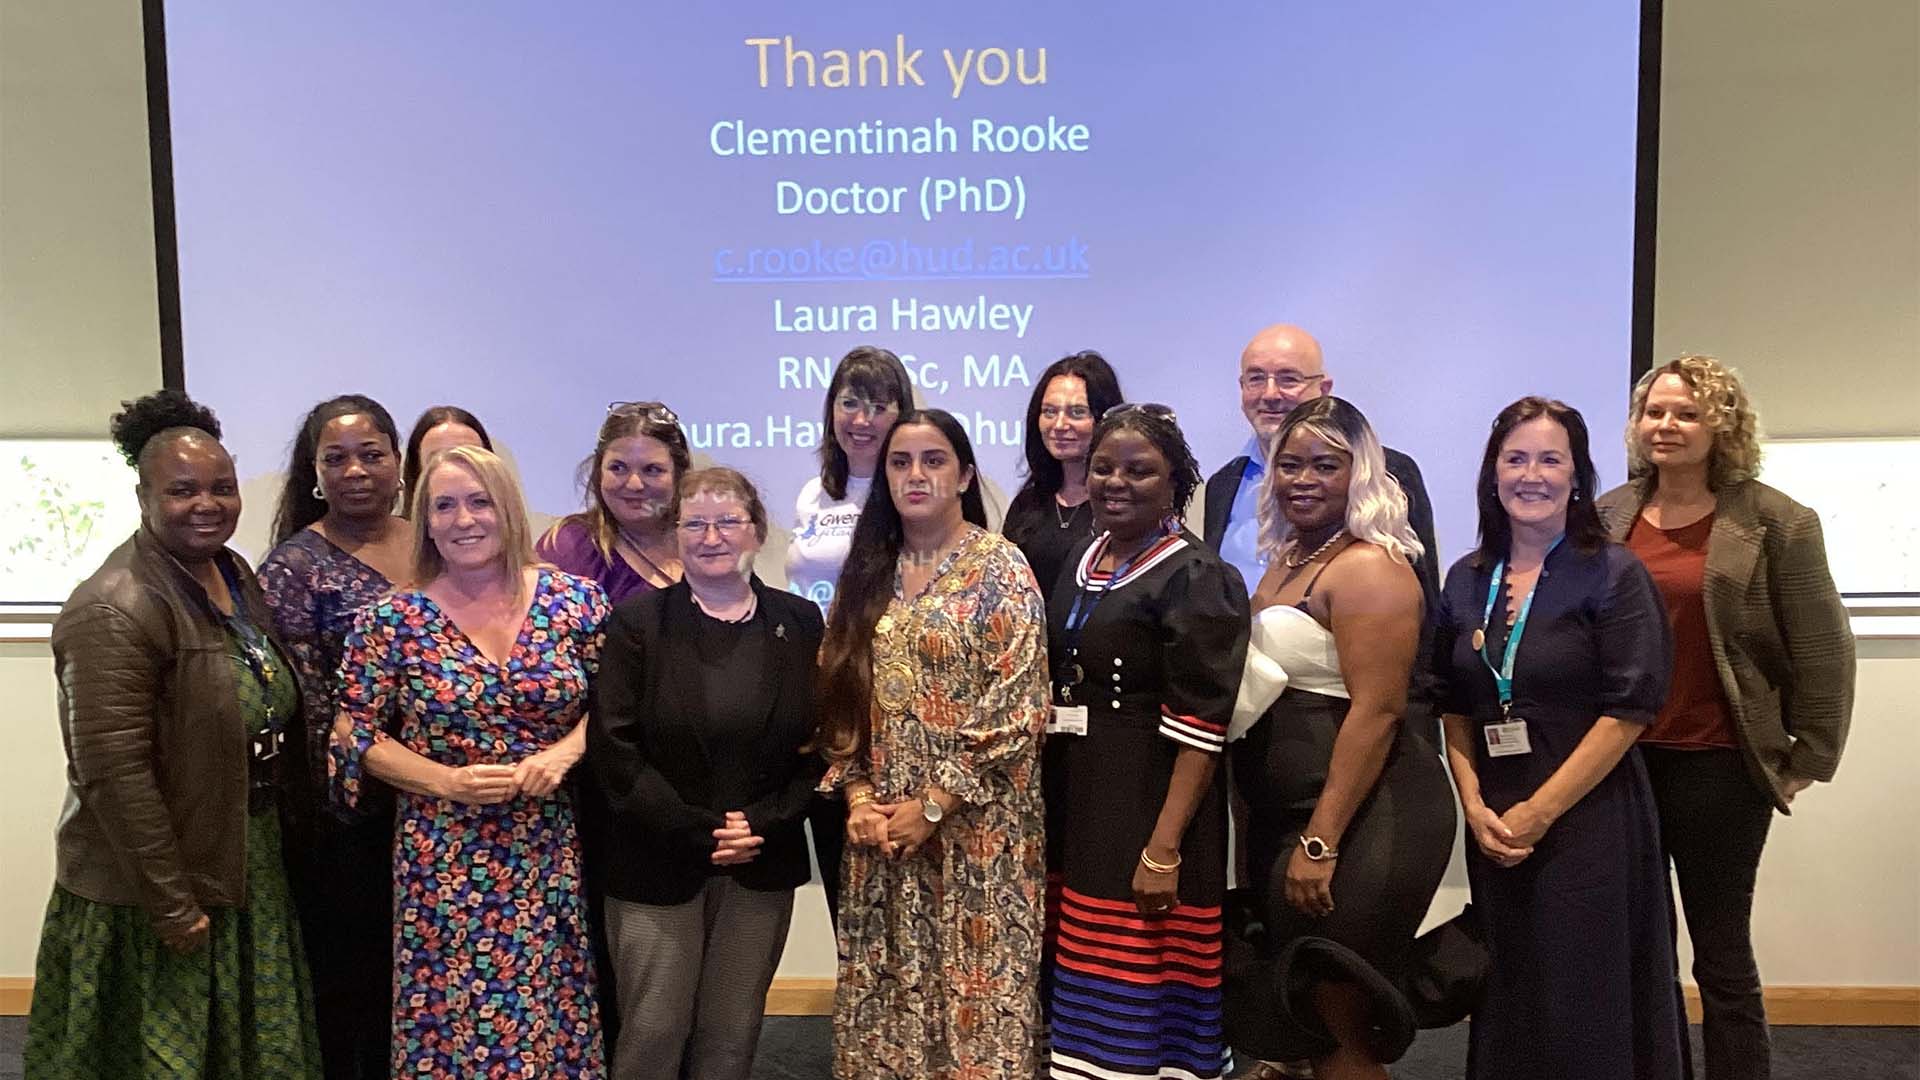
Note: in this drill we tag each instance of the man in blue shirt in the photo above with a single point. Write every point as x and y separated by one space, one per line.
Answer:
1281 367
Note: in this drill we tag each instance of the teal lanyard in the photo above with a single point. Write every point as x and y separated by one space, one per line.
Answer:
1503 675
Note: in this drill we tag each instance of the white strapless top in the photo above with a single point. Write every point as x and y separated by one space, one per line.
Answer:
1285 648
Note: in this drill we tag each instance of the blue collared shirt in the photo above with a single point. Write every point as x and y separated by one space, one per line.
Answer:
1240 541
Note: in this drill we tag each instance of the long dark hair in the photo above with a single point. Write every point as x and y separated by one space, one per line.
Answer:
433 418
624 421
1044 474
875 374
1160 427
1584 529
298 508
865 588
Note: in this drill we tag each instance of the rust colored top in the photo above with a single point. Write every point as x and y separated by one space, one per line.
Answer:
1695 716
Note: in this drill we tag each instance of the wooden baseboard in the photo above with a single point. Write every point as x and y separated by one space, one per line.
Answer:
16 994
800 997
1823 1006
1833 1006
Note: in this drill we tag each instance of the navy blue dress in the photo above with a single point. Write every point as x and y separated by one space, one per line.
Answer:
1582 986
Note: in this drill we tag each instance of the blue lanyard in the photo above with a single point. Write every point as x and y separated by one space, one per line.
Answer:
1086 600
1503 675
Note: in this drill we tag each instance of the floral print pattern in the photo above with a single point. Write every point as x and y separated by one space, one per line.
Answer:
493 973
940 951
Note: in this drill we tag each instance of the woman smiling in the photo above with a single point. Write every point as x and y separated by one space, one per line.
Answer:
1565 861
1148 633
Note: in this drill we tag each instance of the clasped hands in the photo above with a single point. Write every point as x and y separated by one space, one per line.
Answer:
1508 838
537 775
897 829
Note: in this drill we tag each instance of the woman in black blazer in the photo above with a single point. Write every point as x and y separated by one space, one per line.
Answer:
703 712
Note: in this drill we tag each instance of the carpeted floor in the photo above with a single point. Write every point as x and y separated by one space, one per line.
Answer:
796 1048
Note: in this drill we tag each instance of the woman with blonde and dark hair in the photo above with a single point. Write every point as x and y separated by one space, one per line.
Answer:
624 538
467 694
1351 820
1762 674
702 719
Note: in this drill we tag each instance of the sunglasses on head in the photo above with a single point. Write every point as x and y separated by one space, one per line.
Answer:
1150 408
652 410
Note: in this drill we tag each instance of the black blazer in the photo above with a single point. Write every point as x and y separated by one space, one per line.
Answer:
1223 485
645 749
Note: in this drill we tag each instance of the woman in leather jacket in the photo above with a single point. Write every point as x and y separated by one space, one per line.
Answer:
170 946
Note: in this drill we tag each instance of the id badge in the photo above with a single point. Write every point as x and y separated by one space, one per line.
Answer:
1068 720
1507 740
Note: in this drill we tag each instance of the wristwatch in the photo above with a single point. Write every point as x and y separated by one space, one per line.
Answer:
1318 850
931 810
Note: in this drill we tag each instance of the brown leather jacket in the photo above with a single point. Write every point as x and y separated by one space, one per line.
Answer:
157 753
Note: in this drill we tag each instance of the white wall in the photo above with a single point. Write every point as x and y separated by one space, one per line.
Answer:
78 329
1789 231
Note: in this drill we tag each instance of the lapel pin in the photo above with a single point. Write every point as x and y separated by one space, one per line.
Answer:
780 631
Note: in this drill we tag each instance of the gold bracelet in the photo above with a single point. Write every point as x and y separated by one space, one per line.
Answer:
1156 867
861 798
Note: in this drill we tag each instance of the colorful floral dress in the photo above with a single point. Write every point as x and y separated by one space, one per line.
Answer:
940 951
493 975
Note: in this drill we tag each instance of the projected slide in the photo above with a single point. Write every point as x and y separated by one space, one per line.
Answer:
533 210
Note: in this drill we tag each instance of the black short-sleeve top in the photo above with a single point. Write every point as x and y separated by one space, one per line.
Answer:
1164 645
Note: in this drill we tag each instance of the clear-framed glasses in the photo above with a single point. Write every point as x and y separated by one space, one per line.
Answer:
1150 408
1287 382
652 410
1075 413
696 528
854 405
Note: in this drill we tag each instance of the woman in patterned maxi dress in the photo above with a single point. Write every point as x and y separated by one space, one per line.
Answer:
492 967
941 904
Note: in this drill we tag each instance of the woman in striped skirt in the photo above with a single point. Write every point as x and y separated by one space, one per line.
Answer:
1147 641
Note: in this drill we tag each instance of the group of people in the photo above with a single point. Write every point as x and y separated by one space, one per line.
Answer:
430 796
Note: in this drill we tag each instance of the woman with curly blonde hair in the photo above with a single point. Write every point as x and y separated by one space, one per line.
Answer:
1762 685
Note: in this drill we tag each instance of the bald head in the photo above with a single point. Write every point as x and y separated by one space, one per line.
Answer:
1279 368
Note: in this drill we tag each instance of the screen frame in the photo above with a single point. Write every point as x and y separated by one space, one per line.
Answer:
173 370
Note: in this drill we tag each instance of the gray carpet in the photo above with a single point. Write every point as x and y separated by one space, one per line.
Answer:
795 1048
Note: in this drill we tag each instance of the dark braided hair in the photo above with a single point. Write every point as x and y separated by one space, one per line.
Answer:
139 421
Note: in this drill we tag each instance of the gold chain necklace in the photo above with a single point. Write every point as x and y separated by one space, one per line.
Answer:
1293 564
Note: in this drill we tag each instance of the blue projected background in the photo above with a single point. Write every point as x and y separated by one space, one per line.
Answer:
531 210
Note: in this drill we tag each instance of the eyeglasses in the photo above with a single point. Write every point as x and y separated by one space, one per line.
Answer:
854 405
1285 381
652 410
1150 408
696 528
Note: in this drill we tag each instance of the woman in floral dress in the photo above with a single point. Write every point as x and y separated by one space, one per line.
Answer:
935 696
467 695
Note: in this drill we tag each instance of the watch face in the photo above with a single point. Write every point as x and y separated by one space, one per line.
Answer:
931 810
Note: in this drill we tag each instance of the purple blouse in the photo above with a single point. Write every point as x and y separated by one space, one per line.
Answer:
570 547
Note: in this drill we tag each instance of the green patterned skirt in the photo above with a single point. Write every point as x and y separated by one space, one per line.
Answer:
112 1002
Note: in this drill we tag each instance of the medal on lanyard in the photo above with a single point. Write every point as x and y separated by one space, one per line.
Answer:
1509 737
1084 601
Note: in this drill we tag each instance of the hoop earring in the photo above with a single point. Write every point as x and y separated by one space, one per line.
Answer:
318 493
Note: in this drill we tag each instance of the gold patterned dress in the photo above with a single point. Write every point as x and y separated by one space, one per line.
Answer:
940 951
